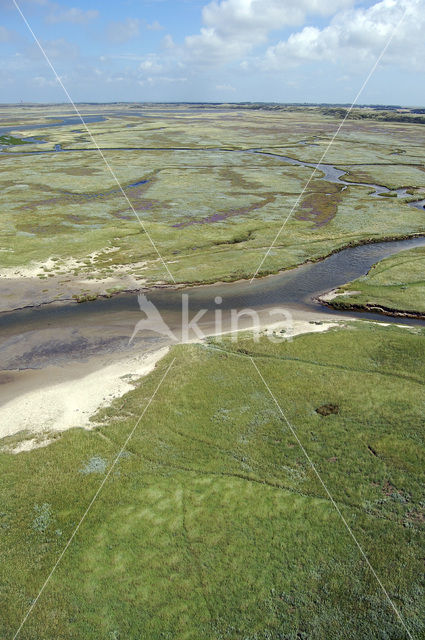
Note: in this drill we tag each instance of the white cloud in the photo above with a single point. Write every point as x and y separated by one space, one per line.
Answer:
172 79
252 37
73 15
225 87
158 80
154 26
115 78
253 15
168 42
358 36
42 81
151 64
120 32
233 27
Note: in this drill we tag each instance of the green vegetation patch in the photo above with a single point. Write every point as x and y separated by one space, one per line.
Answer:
11 140
398 283
392 176
213 524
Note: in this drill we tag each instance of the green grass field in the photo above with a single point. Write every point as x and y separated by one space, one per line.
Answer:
213 525
394 283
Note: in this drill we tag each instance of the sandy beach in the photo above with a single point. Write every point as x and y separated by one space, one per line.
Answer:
63 402
56 398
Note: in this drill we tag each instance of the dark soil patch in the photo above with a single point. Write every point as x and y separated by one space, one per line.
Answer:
327 409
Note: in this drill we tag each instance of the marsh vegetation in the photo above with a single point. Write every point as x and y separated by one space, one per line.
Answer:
213 524
211 208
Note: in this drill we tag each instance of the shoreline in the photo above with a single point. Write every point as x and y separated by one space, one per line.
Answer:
69 396
60 397
146 286
72 395
368 307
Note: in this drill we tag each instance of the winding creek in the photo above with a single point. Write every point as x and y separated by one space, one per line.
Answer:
58 333
330 172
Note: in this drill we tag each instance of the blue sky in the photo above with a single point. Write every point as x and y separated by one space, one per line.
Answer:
222 50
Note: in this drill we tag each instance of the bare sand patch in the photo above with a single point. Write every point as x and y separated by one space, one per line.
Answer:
71 403
299 327
56 398
66 279
334 293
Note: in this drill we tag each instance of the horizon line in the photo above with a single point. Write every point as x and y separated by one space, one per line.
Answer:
215 103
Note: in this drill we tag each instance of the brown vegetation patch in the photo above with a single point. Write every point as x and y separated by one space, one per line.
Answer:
79 171
223 215
133 191
238 181
141 205
320 206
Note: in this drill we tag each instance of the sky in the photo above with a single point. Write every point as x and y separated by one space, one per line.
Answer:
217 51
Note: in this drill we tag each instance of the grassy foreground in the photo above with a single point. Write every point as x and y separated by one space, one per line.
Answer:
397 283
213 525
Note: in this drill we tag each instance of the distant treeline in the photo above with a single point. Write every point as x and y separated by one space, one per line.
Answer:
375 114
382 113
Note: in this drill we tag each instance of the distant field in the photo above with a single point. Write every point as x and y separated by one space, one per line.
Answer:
211 210
396 283
213 524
